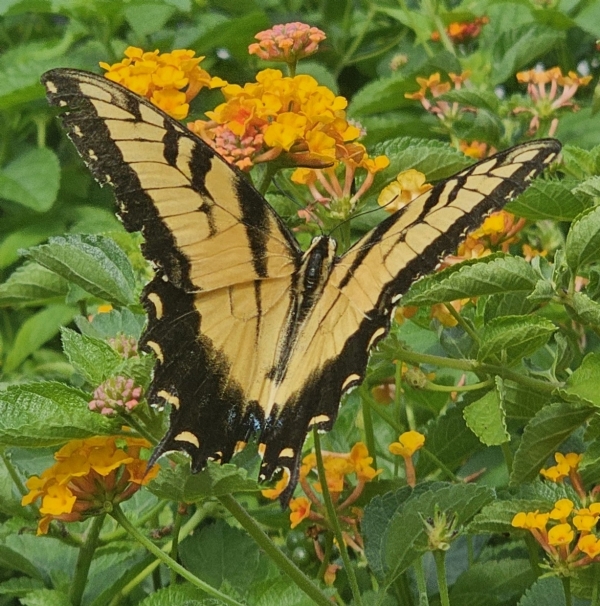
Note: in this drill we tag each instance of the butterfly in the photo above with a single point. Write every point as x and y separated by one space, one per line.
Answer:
253 335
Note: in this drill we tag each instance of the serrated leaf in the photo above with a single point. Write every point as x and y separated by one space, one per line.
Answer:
583 240
489 275
474 98
548 200
95 263
492 583
46 597
221 554
281 591
435 159
496 517
585 310
214 481
93 358
34 415
35 331
406 535
111 324
485 418
177 595
589 186
581 163
20 586
381 95
518 336
583 383
32 285
544 434
35 189
547 591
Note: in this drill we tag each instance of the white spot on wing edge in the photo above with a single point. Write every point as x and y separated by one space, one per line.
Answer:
189 437
376 336
320 418
349 380
51 87
287 452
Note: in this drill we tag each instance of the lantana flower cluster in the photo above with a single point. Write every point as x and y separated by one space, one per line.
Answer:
116 395
161 77
549 90
460 32
87 475
566 533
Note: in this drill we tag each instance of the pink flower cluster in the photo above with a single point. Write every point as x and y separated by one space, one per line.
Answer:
115 395
288 42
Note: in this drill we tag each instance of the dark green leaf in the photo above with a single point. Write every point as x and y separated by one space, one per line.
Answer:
177 595
19 586
547 591
94 263
548 200
32 285
489 275
35 331
583 239
585 310
46 597
544 434
34 415
382 95
581 163
406 536
496 517
36 188
473 98
94 359
518 336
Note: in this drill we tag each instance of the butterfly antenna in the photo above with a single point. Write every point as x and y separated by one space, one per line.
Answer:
363 214
298 204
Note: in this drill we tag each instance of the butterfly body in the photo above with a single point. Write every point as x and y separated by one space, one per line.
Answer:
252 335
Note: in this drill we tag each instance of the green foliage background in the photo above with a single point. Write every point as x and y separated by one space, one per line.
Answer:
531 339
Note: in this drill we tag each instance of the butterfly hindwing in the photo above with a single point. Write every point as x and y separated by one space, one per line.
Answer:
251 335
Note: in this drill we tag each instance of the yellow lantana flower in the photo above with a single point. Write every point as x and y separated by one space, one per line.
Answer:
300 510
590 545
408 443
408 186
561 534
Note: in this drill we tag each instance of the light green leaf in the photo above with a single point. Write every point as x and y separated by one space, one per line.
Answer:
588 19
589 186
581 163
518 336
93 358
32 179
32 285
46 597
148 18
34 415
544 434
35 331
474 98
489 275
21 238
585 310
486 419
19 586
12 560
583 239
177 595
548 200
95 263
582 385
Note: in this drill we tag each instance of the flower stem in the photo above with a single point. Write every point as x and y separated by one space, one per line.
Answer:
156 551
566 583
84 560
421 582
368 423
280 559
175 542
440 567
335 523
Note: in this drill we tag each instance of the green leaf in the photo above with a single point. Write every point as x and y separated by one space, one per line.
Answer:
486 419
382 95
449 440
34 415
46 597
544 434
19 586
147 18
214 481
489 275
588 19
221 554
32 285
582 385
116 321
518 336
406 536
32 179
93 358
95 263
435 159
12 560
548 200
17 240
583 239
177 595
585 310
589 186
581 163
547 591
474 98
281 591
507 304
493 583
35 331
496 517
